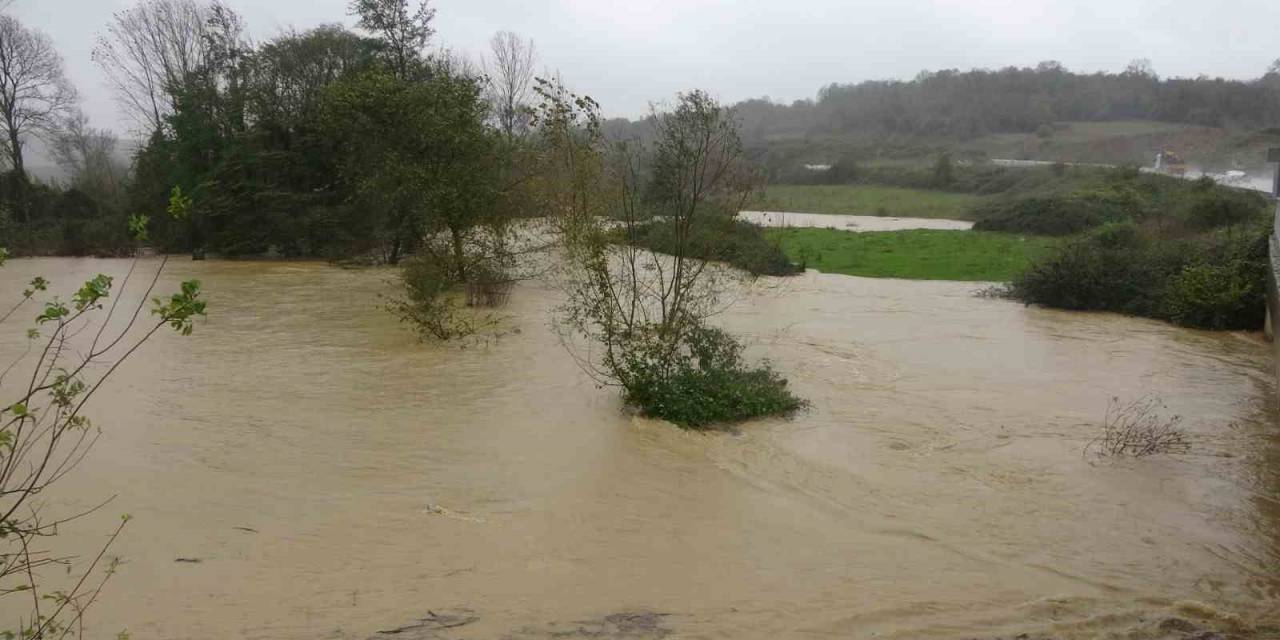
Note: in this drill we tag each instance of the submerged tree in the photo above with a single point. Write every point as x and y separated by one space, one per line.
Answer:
418 157
422 164
644 316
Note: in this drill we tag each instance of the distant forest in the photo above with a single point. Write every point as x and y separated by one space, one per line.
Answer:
957 104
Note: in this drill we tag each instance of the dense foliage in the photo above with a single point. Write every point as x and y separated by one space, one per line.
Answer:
1081 198
703 381
1214 281
720 238
320 143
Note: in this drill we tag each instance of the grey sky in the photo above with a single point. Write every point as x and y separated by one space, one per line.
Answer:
626 54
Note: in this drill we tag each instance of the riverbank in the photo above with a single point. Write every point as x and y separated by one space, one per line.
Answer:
935 489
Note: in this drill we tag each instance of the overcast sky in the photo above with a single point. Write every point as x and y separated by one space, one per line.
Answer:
628 53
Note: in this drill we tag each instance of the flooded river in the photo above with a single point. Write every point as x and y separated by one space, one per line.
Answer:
335 479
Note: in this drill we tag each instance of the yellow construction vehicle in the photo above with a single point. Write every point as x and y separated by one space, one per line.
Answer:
1170 163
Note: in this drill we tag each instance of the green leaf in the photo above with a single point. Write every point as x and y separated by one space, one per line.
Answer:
179 205
138 227
53 311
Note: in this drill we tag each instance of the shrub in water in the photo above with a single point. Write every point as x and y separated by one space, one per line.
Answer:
705 384
1214 282
1226 291
720 238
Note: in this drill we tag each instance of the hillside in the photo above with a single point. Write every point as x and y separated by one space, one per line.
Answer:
1040 113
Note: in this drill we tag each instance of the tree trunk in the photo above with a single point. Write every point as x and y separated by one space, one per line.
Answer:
394 257
459 259
19 176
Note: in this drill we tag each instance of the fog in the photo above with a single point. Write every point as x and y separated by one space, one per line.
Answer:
627 54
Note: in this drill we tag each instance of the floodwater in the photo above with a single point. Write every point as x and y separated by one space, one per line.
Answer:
335 479
849 223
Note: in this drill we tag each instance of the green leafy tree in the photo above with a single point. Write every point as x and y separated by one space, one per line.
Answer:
419 159
404 31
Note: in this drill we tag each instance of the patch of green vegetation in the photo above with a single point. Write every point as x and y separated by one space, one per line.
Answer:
1079 199
868 200
918 254
737 242
1214 280
704 382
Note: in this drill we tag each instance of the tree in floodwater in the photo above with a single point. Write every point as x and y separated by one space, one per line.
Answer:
421 162
644 316
418 158
74 347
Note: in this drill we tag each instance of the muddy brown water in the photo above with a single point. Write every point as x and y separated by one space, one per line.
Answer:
335 478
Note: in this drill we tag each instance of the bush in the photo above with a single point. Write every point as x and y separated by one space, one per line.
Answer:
706 384
1118 235
1215 208
1210 282
433 297
1086 276
720 238
427 304
1048 215
1137 429
1225 292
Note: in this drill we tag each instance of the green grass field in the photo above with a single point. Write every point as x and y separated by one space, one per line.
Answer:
867 200
914 255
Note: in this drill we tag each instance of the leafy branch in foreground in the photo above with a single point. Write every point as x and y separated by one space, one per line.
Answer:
72 350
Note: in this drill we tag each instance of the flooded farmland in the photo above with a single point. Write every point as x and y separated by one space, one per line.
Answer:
326 476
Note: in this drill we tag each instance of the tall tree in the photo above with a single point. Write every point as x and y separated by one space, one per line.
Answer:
149 52
510 72
291 72
417 157
34 91
88 156
404 31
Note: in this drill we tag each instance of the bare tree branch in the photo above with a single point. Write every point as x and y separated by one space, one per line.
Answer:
35 95
149 52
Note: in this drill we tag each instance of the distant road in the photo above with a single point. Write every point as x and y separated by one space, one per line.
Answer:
1245 181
